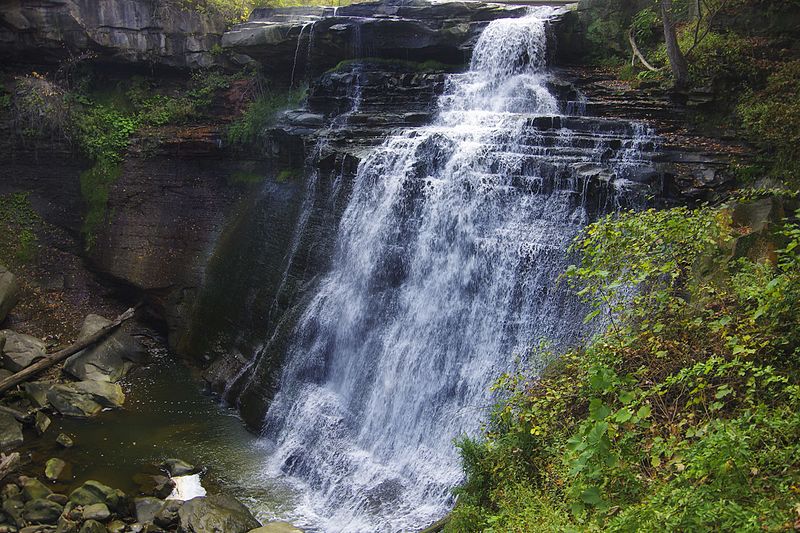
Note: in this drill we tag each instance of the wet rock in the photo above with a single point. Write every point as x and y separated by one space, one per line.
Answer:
92 492
167 516
42 511
10 432
33 489
38 529
85 398
60 499
67 525
216 512
41 422
11 492
96 511
116 526
9 291
277 527
108 360
37 392
55 469
64 440
147 508
14 508
154 485
20 350
93 526
176 468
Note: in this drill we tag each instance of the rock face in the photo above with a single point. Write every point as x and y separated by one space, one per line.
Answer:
126 31
108 360
20 350
398 29
9 289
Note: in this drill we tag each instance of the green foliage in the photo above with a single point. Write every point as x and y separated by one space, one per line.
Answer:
772 117
680 416
18 225
261 113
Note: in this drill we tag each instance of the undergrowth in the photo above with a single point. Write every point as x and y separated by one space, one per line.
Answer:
261 113
682 415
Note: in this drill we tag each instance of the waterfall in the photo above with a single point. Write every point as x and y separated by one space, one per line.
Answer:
444 274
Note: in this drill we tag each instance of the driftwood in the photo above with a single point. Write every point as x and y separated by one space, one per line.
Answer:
8 463
638 54
60 355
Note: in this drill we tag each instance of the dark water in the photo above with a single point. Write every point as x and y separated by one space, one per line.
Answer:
166 414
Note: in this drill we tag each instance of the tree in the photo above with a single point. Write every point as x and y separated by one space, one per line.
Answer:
677 61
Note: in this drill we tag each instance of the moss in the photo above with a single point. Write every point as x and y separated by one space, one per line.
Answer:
18 225
96 184
398 64
243 177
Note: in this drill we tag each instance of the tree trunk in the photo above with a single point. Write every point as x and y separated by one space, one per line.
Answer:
677 61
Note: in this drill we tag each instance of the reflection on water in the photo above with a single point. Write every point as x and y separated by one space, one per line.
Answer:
166 415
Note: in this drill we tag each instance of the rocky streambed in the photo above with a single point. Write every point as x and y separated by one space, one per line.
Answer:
91 447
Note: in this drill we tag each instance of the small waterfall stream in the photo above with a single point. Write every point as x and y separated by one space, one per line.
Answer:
444 274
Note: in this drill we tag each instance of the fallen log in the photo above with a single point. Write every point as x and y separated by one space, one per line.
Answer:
60 355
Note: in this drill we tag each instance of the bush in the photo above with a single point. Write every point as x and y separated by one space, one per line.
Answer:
680 416
262 113
772 118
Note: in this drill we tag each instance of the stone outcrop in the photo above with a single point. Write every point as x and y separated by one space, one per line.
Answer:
120 31
19 350
304 42
9 291
108 360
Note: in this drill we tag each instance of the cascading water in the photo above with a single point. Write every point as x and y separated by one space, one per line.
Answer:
444 273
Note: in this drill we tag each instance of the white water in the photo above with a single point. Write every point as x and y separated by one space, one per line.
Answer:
444 274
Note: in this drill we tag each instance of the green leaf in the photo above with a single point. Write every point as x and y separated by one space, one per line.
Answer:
643 412
623 415
591 496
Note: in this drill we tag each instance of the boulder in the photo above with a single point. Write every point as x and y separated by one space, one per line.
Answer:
55 469
37 392
93 526
154 485
168 516
42 511
96 511
20 350
33 489
13 508
216 513
10 432
85 398
147 508
176 468
9 292
108 360
41 422
92 492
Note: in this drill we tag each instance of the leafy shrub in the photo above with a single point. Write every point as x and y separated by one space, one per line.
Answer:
772 117
261 113
681 415
18 224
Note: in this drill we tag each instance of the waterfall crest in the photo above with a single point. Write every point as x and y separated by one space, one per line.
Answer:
444 274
